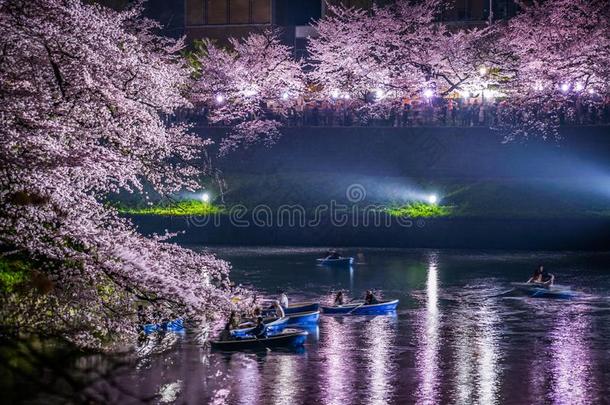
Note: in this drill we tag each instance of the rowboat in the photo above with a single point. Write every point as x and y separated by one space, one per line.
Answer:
301 307
273 326
358 308
342 261
303 318
541 290
175 325
289 338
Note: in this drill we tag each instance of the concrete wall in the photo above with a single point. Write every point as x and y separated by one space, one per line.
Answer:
423 152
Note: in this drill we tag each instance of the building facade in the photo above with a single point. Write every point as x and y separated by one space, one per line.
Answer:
221 19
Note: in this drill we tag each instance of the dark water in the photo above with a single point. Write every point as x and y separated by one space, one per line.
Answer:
459 335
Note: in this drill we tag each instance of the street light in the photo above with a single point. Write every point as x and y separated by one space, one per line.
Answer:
432 199
205 197
428 93
565 87
219 98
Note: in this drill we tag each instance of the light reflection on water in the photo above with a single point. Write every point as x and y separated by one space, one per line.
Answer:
338 355
379 341
427 357
573 381
457 336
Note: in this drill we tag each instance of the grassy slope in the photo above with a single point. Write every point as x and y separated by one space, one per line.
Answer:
490 198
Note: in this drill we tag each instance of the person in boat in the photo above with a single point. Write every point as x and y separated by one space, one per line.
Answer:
283 299
370 299
339 299
332 255
226 332
260 330
542 276
279 309
233 321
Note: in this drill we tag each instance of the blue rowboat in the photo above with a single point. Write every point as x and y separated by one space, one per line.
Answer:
303 318
301 307
360 309
289 338
175 325
342 261
552 293
541 290
273 326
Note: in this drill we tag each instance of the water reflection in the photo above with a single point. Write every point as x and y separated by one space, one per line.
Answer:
245 372
573 380
338 354
428 340
379 340
475 327
283 378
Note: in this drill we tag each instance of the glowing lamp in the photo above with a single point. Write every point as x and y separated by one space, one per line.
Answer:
565 87
483 70
428 93
432 198
219 98
205 197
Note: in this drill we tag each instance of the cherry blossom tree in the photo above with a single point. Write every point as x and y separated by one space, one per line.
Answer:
82 90
555 56
394 51
244 81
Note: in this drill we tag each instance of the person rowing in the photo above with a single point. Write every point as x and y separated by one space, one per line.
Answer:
332 255
369 298
541 276
339 299
260 330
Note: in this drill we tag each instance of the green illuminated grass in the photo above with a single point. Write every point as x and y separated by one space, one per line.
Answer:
420 210
186 208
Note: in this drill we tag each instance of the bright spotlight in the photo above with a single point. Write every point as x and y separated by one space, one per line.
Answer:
432 199
219 98
565 87
205 197
428 93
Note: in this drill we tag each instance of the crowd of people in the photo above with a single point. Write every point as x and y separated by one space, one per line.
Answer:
453 112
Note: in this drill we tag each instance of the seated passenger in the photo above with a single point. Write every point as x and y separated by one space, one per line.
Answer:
260 330
226 333
542 276
370 299
283 299
332 254
339 300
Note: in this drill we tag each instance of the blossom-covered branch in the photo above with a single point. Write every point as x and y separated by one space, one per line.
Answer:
82 89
